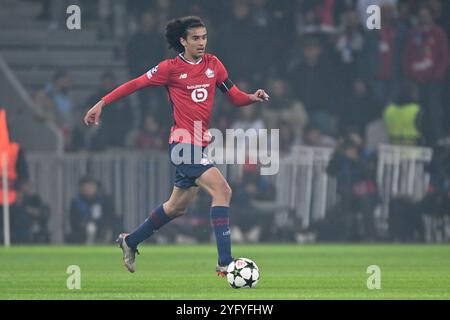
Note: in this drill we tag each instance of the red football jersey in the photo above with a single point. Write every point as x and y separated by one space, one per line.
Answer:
191 88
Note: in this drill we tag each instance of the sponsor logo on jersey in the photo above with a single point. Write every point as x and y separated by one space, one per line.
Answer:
209 73
199 95
183 76
206 85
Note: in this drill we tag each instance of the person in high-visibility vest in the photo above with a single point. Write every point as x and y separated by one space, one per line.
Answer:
17 171
403 116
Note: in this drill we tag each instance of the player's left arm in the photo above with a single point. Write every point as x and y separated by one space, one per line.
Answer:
240 98
236 96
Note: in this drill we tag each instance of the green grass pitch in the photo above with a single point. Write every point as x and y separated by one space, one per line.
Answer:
187 272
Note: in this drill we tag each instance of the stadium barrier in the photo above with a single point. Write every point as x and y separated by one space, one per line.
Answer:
401 173
138 181
303 184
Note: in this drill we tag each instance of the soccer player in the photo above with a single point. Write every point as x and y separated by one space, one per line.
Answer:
190 80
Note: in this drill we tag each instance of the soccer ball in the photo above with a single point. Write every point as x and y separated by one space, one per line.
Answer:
242 273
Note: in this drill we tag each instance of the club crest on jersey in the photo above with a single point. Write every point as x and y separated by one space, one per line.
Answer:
209 73
152 72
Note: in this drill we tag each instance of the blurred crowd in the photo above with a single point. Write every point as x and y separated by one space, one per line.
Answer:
333 83
321 64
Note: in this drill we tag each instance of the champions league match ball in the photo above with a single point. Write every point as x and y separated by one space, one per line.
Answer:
242 273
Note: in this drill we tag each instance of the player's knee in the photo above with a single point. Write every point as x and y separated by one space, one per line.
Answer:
228 192
224 192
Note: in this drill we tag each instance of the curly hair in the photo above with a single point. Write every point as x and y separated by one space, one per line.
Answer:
177 28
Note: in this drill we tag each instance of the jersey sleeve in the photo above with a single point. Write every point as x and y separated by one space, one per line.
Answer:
238 97
156 76
222 73
159 75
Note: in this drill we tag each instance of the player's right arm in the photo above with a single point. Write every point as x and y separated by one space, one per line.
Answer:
157 76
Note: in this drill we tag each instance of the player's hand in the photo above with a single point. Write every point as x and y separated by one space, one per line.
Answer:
259 96
93 115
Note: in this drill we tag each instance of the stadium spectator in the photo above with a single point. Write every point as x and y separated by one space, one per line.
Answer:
402 117
37 214
358 108
240 28
435 207
44 14
260 13
250 222
313 84
284 107
20 222
374 135
318 16
405 17
313 137
426 61
149 136
440 166
165 9
141 51
142 54
349 45
357 189
54 103
106 19
262 20
108 134
117 122
435 211
288 137
193 227
381 59
224 115
92 214
281 16
247 118
340 8
441 14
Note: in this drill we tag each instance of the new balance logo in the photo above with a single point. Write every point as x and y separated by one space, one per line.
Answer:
183 76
